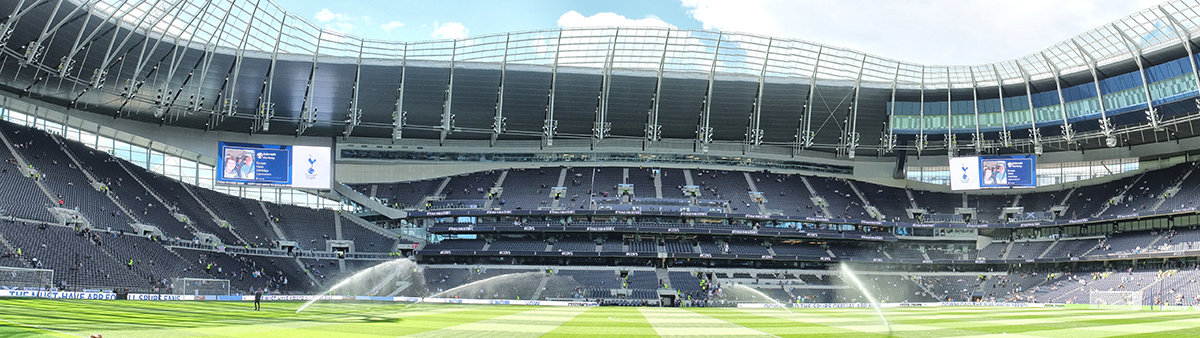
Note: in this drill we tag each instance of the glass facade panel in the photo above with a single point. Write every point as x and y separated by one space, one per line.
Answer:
1047 173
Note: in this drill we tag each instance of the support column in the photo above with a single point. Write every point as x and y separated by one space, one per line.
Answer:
1068 133
498 124
308 112
1136 52
889 136
922 140
977 139
1005 135
354 116
704 130
851 137
754 133
805 136
399 118
447 124
601 127
1035 135
1106 127
550 125
653 129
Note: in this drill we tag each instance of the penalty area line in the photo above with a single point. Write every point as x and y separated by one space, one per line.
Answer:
39 327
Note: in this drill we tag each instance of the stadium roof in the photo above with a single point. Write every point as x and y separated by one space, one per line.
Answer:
252 66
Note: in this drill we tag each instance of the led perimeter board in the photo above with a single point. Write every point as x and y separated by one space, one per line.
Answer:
984 172
274 165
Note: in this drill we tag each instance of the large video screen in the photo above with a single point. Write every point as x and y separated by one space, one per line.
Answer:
984 172
274 165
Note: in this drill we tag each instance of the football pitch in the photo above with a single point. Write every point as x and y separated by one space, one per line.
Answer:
20 317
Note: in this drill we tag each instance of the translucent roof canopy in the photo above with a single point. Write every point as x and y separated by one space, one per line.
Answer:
263 26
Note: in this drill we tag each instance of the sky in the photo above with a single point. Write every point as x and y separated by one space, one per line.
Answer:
932 32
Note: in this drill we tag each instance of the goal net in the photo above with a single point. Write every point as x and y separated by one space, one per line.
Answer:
201 286
26 279
1115 300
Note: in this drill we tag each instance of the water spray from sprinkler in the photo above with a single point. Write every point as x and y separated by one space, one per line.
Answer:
866 293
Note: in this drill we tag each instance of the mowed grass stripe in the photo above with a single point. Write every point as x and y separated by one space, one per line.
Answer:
385 319
534 322
781 323
680 322
857 322
233 319
606 322
12 329
388 321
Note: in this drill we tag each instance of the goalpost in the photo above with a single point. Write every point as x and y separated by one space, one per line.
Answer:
201 286
1115 300
23 278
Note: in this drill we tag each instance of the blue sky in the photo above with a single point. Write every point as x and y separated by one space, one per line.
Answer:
419 18
922 31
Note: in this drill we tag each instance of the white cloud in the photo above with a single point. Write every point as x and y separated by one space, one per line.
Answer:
922 31
388 27
343 27
449 30
608 19
325 15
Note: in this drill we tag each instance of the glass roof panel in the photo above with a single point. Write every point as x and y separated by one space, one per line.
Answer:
265 26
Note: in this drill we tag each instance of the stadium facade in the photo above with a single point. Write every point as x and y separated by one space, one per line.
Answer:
710 153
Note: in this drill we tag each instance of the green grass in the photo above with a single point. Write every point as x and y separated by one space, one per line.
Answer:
21 317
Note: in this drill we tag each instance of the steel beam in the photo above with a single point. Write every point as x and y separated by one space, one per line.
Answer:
1185 37
653 129
109 60
67 62
851 137
34 49
922 139
229 108
704 130
196 101
1136 52
550 125
754 132
354 117
888 141
498 124
1005 135
1068 132
308 112
7 23
177 60
83 8
447 125
1035 135
601 127
266 93
977 138
806 136
134 84
398 117
1106 126
70 58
